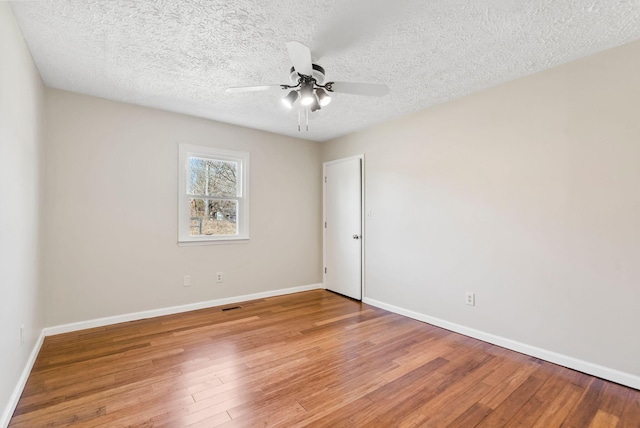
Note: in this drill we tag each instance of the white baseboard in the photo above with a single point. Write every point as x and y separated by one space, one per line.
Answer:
22 381
100 322
607 373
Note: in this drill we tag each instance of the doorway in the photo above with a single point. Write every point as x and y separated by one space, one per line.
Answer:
343 243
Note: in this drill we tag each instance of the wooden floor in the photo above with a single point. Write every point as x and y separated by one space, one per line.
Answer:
311 358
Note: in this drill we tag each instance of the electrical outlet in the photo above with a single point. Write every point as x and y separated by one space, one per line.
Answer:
187 281
218 277
22 334
470 298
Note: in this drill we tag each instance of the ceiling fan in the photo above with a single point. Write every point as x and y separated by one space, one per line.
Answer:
309 84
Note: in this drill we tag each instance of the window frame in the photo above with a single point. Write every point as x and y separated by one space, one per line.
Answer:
187 151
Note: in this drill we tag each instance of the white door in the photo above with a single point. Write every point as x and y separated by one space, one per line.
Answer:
343 226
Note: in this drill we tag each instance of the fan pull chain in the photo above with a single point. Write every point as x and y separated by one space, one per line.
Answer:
306 119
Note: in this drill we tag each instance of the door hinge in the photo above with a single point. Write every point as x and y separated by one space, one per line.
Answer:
325 179
325 224
325 270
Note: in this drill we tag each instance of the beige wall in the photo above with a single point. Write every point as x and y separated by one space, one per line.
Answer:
527 194
21 92
111 213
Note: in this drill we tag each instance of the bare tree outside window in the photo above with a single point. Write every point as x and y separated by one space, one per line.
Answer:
214 180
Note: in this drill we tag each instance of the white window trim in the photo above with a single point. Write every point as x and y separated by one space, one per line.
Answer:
185 151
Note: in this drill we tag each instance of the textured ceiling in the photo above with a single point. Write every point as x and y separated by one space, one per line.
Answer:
180 55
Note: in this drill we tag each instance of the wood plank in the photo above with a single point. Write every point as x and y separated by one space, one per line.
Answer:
585 409
559 408
630 417
603 419
472 416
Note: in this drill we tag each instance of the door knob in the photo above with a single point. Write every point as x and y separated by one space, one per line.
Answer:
356 236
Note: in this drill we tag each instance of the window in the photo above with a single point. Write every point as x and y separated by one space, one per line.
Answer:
213 195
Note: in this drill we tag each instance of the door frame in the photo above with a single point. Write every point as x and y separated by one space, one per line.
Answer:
362 218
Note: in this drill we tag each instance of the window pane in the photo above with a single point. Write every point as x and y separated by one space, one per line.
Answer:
212 177
212 217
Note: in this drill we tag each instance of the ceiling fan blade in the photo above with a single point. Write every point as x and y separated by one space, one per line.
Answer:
300 57
368 89
253 88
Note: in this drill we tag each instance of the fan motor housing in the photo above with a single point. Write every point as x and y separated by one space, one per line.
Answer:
317 74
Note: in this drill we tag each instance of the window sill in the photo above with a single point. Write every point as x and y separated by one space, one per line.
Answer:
213 242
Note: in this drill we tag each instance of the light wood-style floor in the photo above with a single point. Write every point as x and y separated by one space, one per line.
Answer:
313 358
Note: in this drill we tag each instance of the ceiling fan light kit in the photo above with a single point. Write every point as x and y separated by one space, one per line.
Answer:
308 84
306 93
323 98
290 99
